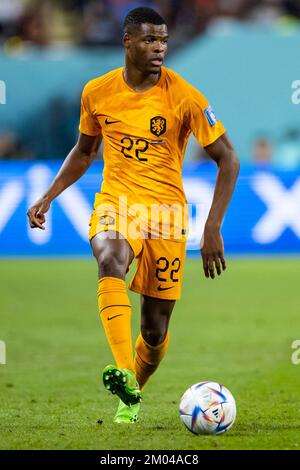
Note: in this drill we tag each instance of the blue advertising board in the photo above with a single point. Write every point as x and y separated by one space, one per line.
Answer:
263 217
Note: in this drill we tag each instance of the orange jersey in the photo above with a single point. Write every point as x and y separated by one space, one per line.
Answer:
145 135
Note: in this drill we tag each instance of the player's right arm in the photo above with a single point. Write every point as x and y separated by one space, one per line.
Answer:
211 135
74 166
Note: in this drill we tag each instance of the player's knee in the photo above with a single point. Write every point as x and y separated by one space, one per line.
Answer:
154 337
111 264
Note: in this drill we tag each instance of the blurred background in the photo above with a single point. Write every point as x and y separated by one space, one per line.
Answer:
239 330
242 54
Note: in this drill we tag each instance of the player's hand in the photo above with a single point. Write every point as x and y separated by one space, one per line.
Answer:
212 252
36 213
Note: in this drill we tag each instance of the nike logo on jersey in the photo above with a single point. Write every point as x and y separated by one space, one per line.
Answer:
160 288
110 122
110 318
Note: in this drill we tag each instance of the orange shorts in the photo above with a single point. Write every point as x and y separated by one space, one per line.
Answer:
160 262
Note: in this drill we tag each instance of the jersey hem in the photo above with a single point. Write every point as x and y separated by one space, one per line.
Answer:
220 133
89 133
154 294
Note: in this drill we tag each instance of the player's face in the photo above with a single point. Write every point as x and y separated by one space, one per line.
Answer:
146 47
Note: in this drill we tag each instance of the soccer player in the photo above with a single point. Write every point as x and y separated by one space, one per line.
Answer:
144 113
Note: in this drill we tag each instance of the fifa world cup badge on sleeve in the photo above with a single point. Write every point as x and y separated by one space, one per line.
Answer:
210 116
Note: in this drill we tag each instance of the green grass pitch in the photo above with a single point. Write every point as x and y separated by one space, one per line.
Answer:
237 330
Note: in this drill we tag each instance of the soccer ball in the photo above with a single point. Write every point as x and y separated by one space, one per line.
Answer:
207 408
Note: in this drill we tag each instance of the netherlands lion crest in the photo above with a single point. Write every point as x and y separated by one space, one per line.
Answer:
158 125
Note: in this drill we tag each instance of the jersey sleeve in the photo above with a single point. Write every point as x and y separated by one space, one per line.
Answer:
89 124
200 118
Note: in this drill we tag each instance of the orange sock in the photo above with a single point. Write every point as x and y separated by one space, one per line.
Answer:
115 312
147 358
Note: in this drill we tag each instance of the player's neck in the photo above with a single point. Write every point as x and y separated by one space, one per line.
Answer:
138 80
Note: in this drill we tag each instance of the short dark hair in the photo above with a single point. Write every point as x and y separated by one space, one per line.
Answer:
140 16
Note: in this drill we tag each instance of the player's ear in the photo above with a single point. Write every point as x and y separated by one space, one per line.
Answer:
126 40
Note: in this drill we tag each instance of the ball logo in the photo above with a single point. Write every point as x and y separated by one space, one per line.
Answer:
158 125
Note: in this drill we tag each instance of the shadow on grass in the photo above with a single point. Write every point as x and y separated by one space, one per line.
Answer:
253 429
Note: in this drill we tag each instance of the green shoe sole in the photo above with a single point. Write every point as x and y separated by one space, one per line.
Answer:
115 380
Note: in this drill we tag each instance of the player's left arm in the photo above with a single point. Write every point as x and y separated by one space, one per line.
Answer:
212 246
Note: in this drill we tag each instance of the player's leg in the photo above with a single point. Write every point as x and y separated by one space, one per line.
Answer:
114 255
153 341
158 279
